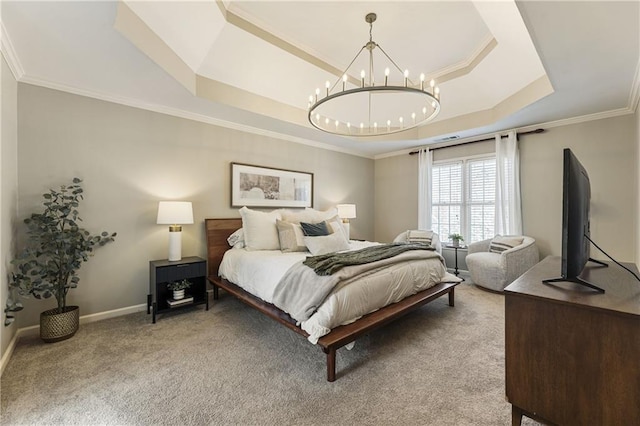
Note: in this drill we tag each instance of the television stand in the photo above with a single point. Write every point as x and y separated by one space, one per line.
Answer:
579 280
571 356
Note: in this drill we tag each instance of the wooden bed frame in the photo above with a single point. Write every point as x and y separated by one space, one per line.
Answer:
218 230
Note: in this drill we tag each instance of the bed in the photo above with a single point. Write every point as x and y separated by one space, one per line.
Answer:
217 232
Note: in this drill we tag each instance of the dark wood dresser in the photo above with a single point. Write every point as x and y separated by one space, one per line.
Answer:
572 354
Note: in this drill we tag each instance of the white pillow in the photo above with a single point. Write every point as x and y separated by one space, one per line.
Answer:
236 240
308 215
322 215
260 231
327 243
335 225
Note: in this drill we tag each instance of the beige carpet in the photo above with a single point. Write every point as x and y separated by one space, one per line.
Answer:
231 365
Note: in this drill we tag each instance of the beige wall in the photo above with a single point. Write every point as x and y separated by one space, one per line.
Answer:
130 159
396 196
637 215
608 150
8 187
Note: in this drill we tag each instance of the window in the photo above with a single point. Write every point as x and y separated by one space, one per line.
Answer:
463 197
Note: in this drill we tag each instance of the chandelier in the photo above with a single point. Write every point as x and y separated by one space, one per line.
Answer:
360 107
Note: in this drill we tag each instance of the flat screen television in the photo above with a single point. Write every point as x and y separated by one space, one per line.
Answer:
576 200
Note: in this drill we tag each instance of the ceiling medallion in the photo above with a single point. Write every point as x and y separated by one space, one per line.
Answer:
352 107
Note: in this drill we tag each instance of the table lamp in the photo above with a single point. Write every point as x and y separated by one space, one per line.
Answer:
346 212
175 213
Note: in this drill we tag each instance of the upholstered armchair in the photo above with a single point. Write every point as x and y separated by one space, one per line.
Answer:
404 237
495 271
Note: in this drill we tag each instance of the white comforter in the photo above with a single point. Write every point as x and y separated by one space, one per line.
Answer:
258 272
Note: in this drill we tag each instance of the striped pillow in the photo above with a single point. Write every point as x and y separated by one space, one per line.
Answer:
500 243
419 236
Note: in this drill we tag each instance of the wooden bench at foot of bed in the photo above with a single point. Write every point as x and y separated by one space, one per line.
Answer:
218 230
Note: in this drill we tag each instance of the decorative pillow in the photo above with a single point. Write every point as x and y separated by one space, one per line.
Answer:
260 231
327 244
499 243
315 229
419 236
291 236
236 240
335 225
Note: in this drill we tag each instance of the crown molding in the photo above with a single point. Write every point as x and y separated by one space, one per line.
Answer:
549 124
10 54
189 115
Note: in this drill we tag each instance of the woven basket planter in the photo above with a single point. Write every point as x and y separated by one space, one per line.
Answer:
55 326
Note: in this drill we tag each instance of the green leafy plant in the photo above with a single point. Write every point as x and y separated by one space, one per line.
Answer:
456 237
179 285
55 249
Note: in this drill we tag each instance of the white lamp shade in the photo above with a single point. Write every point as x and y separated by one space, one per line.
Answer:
175 213
346 211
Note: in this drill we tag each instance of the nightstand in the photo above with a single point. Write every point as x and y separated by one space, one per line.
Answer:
162 272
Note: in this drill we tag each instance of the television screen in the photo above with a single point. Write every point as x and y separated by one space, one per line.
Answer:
576 200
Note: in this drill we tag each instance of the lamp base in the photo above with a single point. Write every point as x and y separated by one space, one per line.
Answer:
175 245
347 229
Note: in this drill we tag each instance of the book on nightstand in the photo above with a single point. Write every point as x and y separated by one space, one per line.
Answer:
174 303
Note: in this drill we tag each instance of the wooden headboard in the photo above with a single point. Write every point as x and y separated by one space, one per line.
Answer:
218 230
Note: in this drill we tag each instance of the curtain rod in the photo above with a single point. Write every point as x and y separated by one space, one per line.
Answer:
479 140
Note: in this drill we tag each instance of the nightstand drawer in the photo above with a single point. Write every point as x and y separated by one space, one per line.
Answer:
170 273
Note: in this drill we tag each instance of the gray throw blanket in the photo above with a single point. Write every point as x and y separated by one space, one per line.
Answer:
301 290
328 264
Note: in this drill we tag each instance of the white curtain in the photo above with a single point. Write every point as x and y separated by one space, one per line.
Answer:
425 160
508 218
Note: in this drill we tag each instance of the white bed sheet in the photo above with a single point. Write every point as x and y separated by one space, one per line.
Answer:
259 272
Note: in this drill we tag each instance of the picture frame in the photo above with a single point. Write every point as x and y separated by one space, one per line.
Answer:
258 186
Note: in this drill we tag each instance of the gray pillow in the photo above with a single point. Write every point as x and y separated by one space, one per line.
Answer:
315 229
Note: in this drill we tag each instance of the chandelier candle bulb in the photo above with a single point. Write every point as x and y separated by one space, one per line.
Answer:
422 81
413 117
327 85
401 121
362 74
317 93
406 77
344 82
388 125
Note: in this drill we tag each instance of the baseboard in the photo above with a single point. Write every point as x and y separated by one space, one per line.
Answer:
84 319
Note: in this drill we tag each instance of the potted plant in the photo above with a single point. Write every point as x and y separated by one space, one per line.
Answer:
455 239
48 266
178 288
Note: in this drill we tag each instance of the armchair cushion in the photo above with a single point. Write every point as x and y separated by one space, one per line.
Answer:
420 236
499 243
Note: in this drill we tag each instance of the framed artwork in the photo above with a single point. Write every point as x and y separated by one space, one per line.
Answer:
256 186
